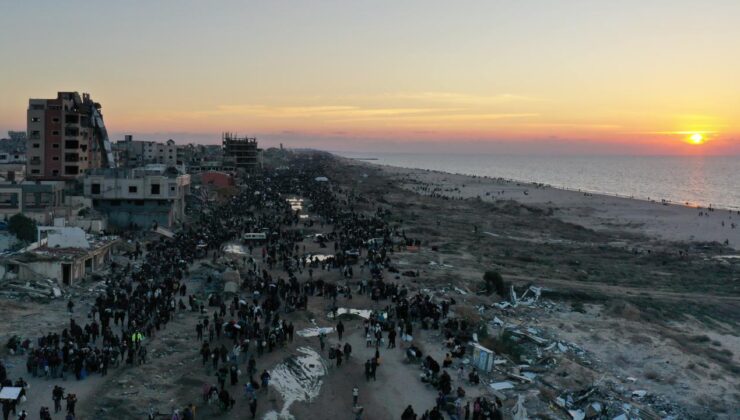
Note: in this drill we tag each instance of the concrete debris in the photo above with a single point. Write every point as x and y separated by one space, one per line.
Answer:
519 412
500 386
577 414
43 289
594 409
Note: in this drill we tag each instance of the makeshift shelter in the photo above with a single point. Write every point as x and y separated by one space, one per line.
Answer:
482 358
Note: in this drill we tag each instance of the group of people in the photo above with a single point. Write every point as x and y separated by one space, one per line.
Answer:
142 296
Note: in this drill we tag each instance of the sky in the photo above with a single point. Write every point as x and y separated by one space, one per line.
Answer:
524 76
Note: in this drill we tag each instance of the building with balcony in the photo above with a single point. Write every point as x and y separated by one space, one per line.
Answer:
65 137
139 197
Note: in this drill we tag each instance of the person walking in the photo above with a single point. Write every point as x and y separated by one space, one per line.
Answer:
57 394
368 370
340 330
355 395
253 407
392 338
265 379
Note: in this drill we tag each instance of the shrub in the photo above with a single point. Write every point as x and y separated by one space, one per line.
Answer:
22 227
493 282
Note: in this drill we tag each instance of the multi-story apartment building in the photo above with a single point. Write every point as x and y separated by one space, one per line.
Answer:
66 137
140 197
132 153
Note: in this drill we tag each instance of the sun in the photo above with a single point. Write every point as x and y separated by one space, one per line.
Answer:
697 138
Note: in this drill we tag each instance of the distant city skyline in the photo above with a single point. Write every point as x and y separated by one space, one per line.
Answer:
540 77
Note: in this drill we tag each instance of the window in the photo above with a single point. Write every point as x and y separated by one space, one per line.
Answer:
55 119
35 171
95 188
55 145
9 200
35 134
55 133
155 189
55 158
37 107
115 202
55 172
35 119
71 144
36 145
132 189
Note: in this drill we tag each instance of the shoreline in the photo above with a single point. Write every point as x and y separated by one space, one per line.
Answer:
603 212
374 161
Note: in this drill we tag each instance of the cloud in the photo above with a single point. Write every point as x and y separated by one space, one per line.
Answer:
461 98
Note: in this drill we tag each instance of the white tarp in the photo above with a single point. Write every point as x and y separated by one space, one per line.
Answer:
10 393
297 379
64 237
314 331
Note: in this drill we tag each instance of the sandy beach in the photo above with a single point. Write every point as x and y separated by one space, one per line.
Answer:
670 222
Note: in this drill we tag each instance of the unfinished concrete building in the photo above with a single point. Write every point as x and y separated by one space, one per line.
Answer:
241 152
139 197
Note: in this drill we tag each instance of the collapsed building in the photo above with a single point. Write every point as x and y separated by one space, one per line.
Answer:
61 257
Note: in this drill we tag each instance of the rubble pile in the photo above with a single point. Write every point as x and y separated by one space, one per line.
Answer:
547 368
44 289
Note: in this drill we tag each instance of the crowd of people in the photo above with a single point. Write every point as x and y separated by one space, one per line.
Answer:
234 331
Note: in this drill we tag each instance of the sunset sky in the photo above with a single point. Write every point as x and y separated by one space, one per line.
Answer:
568 76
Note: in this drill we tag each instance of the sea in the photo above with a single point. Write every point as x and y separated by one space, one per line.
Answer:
689 180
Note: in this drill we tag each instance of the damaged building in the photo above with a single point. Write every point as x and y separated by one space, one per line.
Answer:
64 254
140 197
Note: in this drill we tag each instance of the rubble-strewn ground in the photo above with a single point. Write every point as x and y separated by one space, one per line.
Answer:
634 305
612 319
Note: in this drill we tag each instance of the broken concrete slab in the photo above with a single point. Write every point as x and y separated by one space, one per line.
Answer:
500 386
